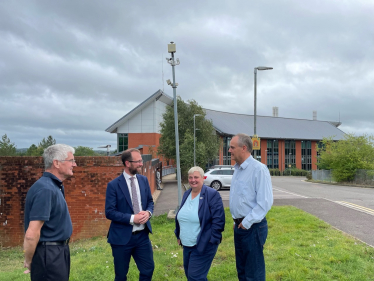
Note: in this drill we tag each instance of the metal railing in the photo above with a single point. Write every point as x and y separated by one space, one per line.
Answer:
167 170
362 177
322 175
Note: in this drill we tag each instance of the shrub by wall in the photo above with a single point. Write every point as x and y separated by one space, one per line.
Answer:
288 172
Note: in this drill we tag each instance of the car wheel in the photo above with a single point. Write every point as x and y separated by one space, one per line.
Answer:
216 185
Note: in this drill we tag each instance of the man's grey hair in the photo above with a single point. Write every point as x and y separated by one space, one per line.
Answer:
196 169
246 140
56 152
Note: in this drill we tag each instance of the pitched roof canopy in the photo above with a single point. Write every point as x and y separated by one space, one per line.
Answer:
159 95
273 127
267 127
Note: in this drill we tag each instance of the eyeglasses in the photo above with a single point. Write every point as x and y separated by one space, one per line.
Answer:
138 162
72 161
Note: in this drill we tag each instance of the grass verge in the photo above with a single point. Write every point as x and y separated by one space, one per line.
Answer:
299 247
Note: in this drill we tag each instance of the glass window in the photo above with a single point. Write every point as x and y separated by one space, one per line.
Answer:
226 153
258 155
306 155
272 154
289 153
122 142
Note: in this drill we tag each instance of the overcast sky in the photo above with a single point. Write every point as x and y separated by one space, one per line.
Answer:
70 69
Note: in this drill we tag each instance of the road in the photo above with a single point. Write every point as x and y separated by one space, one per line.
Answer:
354 195
349 209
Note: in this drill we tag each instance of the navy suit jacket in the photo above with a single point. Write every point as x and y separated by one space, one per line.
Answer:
118 208
211 217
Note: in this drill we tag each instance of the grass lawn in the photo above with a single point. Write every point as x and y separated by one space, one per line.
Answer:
299 247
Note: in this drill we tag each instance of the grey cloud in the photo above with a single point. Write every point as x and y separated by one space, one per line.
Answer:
71 69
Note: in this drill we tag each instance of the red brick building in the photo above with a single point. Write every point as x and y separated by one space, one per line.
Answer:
284 142
140 128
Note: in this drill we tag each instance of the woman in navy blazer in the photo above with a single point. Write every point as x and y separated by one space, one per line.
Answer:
198 225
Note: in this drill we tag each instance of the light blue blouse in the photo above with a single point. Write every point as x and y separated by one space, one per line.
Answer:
189 223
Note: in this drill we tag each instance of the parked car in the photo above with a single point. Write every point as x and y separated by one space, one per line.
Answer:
219 177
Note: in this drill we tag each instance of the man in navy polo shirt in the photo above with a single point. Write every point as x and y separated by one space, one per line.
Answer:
48 224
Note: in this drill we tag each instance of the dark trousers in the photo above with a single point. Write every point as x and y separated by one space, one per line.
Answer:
196 266
140 248
249 245
50 263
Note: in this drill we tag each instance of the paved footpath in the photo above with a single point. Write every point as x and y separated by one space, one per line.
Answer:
350 221
168 198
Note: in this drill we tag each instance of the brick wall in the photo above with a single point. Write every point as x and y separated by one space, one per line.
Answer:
298 154
314 154
85 194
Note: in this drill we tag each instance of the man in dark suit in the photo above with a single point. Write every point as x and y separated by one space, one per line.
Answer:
129 205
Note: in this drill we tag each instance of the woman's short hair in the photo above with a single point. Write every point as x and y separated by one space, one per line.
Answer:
126 155
246 140
56 152
196 169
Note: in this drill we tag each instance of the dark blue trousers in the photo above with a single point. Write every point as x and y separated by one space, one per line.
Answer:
196 266
249 245
140 248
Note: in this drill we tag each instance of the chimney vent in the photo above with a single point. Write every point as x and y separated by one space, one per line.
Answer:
314 115
275 111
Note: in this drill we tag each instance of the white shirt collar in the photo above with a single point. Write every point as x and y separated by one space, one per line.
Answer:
127 176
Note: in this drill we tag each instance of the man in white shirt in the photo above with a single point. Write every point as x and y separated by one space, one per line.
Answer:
129 205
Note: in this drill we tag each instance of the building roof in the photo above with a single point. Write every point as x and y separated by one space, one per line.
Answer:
273 127
159 95
267 127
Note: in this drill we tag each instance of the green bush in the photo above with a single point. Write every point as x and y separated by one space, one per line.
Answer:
274 172
346 156
290 172
309 175
295 172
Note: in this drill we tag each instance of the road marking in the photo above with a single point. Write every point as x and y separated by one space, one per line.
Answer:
356 207
289 192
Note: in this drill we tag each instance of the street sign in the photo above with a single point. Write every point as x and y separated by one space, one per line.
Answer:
256 143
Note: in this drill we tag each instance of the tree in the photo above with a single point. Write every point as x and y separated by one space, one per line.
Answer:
207 141
85 151
34 150
346 156
7 148
47 142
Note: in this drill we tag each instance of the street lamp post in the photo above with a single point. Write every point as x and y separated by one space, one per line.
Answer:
255 100
172 49
194 139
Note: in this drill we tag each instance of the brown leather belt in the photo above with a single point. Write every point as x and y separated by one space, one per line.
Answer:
55 243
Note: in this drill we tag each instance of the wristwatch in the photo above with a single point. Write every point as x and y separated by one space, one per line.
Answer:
150 214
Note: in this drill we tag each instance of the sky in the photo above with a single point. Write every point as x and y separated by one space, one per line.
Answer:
70 69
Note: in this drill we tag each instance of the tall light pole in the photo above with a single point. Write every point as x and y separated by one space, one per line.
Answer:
172 49
194 139
255 113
